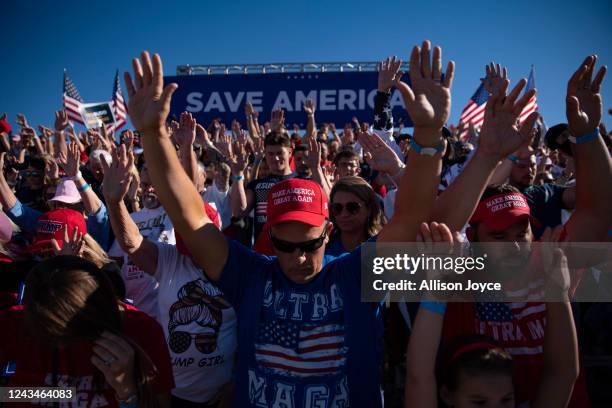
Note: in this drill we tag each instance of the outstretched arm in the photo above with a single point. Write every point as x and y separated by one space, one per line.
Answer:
311 125
117 178
428 102
149 104
185 137
592 217
499 137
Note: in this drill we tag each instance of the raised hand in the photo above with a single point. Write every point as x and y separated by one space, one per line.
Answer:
117 175
389 73
378 154
278 120
127 138
71 245
248 109
22 121
225 145
313 157
149 100
309 106
202 136
61 120
428 101
494 78
583 101
500 134
185 133
258 148
238 161
71 162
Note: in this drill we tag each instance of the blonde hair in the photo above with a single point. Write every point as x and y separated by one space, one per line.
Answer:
93 252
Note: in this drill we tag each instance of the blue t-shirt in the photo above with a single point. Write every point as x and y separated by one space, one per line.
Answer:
303 345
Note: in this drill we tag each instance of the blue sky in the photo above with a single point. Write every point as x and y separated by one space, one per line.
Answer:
93 39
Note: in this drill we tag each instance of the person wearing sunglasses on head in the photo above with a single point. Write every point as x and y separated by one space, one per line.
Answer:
304 336
356 214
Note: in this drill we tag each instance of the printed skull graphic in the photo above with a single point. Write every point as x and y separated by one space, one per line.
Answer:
202 303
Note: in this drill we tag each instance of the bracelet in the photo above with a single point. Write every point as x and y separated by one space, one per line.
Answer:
83 188
585 138
512 158
426 151
237 178
435 307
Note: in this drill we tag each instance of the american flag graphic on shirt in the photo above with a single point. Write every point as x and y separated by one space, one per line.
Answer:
295 349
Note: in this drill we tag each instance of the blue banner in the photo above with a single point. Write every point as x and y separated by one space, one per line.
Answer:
338 96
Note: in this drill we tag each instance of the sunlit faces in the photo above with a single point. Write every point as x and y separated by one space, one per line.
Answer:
348 167
301 167
490 390
523 172
299 266
277 158
350 214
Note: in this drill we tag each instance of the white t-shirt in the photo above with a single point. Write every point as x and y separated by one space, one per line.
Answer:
221 200
141 288
199 325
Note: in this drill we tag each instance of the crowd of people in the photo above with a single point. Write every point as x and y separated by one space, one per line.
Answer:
186 264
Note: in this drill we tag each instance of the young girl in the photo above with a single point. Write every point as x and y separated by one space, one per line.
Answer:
474 371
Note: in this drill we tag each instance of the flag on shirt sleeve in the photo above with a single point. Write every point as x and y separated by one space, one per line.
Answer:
474 111
532 105
72 100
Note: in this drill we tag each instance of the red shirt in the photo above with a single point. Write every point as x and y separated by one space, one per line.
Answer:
34 359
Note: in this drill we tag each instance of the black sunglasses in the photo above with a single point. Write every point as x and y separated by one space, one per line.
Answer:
306 246
352 208
31 174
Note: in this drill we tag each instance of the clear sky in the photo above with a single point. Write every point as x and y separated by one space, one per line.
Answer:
93 39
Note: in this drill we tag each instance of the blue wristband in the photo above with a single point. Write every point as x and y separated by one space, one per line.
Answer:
426 151
435 307
237 178
84 188
585 138
512 158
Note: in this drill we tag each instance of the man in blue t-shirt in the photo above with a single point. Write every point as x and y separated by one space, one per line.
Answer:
305 339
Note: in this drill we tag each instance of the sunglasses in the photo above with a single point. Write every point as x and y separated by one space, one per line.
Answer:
306 246
351 207
31 174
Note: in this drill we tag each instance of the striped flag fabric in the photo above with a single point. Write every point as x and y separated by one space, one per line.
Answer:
474 111
72 100
118 104
288 348
532 105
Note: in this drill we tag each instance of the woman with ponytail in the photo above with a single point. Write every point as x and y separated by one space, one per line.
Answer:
73 331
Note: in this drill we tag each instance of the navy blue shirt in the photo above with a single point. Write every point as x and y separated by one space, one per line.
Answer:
303 345
545 203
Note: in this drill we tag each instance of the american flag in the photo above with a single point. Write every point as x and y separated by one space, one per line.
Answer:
288 348
72 100
532 105
118 104
474 111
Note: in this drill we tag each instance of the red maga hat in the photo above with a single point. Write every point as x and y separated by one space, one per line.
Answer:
299 200
501 211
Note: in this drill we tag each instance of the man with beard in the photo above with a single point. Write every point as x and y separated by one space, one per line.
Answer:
153 224
500 214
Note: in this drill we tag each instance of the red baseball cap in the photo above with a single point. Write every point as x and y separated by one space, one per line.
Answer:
501 211
51 226
297 199
214 217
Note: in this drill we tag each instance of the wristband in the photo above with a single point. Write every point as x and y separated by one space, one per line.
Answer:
426 151
256 162
131 402
83 188
585 138
512 158
237 178
435 307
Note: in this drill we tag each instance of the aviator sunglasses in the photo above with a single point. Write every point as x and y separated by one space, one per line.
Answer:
352 208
